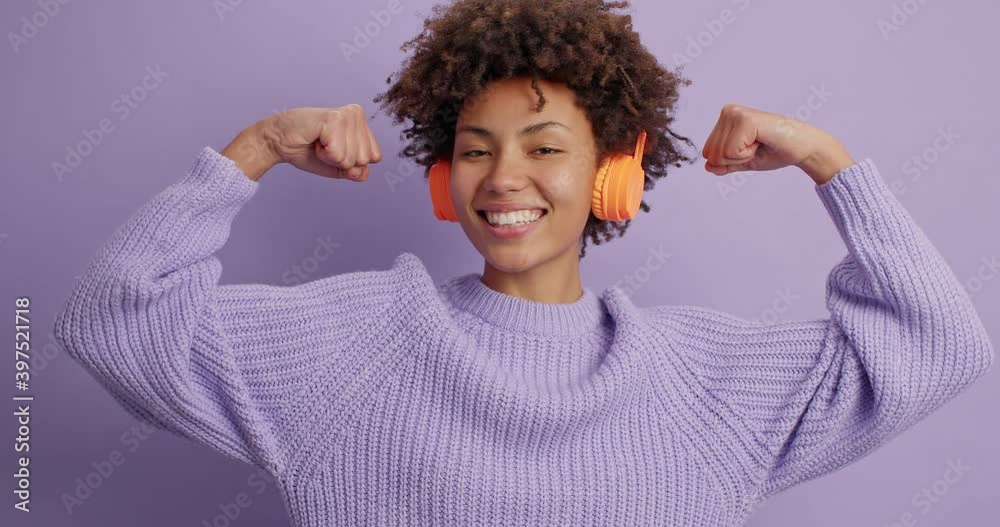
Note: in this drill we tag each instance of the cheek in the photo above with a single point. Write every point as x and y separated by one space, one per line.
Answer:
570 191
461 193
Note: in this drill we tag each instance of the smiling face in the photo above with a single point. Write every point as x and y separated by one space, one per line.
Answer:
542 165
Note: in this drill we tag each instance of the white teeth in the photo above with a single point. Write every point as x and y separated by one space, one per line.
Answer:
513 218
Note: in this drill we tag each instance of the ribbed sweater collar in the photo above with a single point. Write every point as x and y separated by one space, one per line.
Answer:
468 293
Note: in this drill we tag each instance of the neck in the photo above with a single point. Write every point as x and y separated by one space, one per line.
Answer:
556 281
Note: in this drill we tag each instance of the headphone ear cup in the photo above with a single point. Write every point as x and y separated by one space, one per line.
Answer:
619 184
599 206
627 180
444 207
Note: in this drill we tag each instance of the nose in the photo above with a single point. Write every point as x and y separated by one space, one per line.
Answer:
506 175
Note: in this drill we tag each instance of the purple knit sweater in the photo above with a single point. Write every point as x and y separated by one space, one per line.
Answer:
382 398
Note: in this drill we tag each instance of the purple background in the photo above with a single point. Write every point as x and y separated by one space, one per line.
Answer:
887 100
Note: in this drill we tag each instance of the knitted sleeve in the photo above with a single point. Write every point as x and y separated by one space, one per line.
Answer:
222 365
902 339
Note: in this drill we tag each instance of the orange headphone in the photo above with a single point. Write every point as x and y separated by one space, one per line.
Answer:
617 190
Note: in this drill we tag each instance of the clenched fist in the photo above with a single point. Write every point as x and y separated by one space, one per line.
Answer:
331 142
748 139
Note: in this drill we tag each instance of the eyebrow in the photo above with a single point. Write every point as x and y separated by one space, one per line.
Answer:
528 130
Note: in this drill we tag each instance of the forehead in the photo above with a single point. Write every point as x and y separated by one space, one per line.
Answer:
511 103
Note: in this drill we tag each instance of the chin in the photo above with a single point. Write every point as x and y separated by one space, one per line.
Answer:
510 259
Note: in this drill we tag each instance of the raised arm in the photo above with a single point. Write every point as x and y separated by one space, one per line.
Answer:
222 365
902 338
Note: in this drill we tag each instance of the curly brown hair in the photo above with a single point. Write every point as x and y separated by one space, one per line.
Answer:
582 43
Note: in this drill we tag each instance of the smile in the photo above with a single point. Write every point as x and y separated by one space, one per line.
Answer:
504 219
510 225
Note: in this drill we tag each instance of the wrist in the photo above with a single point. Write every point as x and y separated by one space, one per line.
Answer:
826 161
252 150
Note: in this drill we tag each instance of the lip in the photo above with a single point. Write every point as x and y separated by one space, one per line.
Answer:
508 207
511 233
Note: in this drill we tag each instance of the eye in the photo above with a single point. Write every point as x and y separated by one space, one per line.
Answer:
543 150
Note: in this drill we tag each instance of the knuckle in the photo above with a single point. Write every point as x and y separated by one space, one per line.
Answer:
732 109
335 154
355 109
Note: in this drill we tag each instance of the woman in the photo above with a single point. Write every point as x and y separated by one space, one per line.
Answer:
519 397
